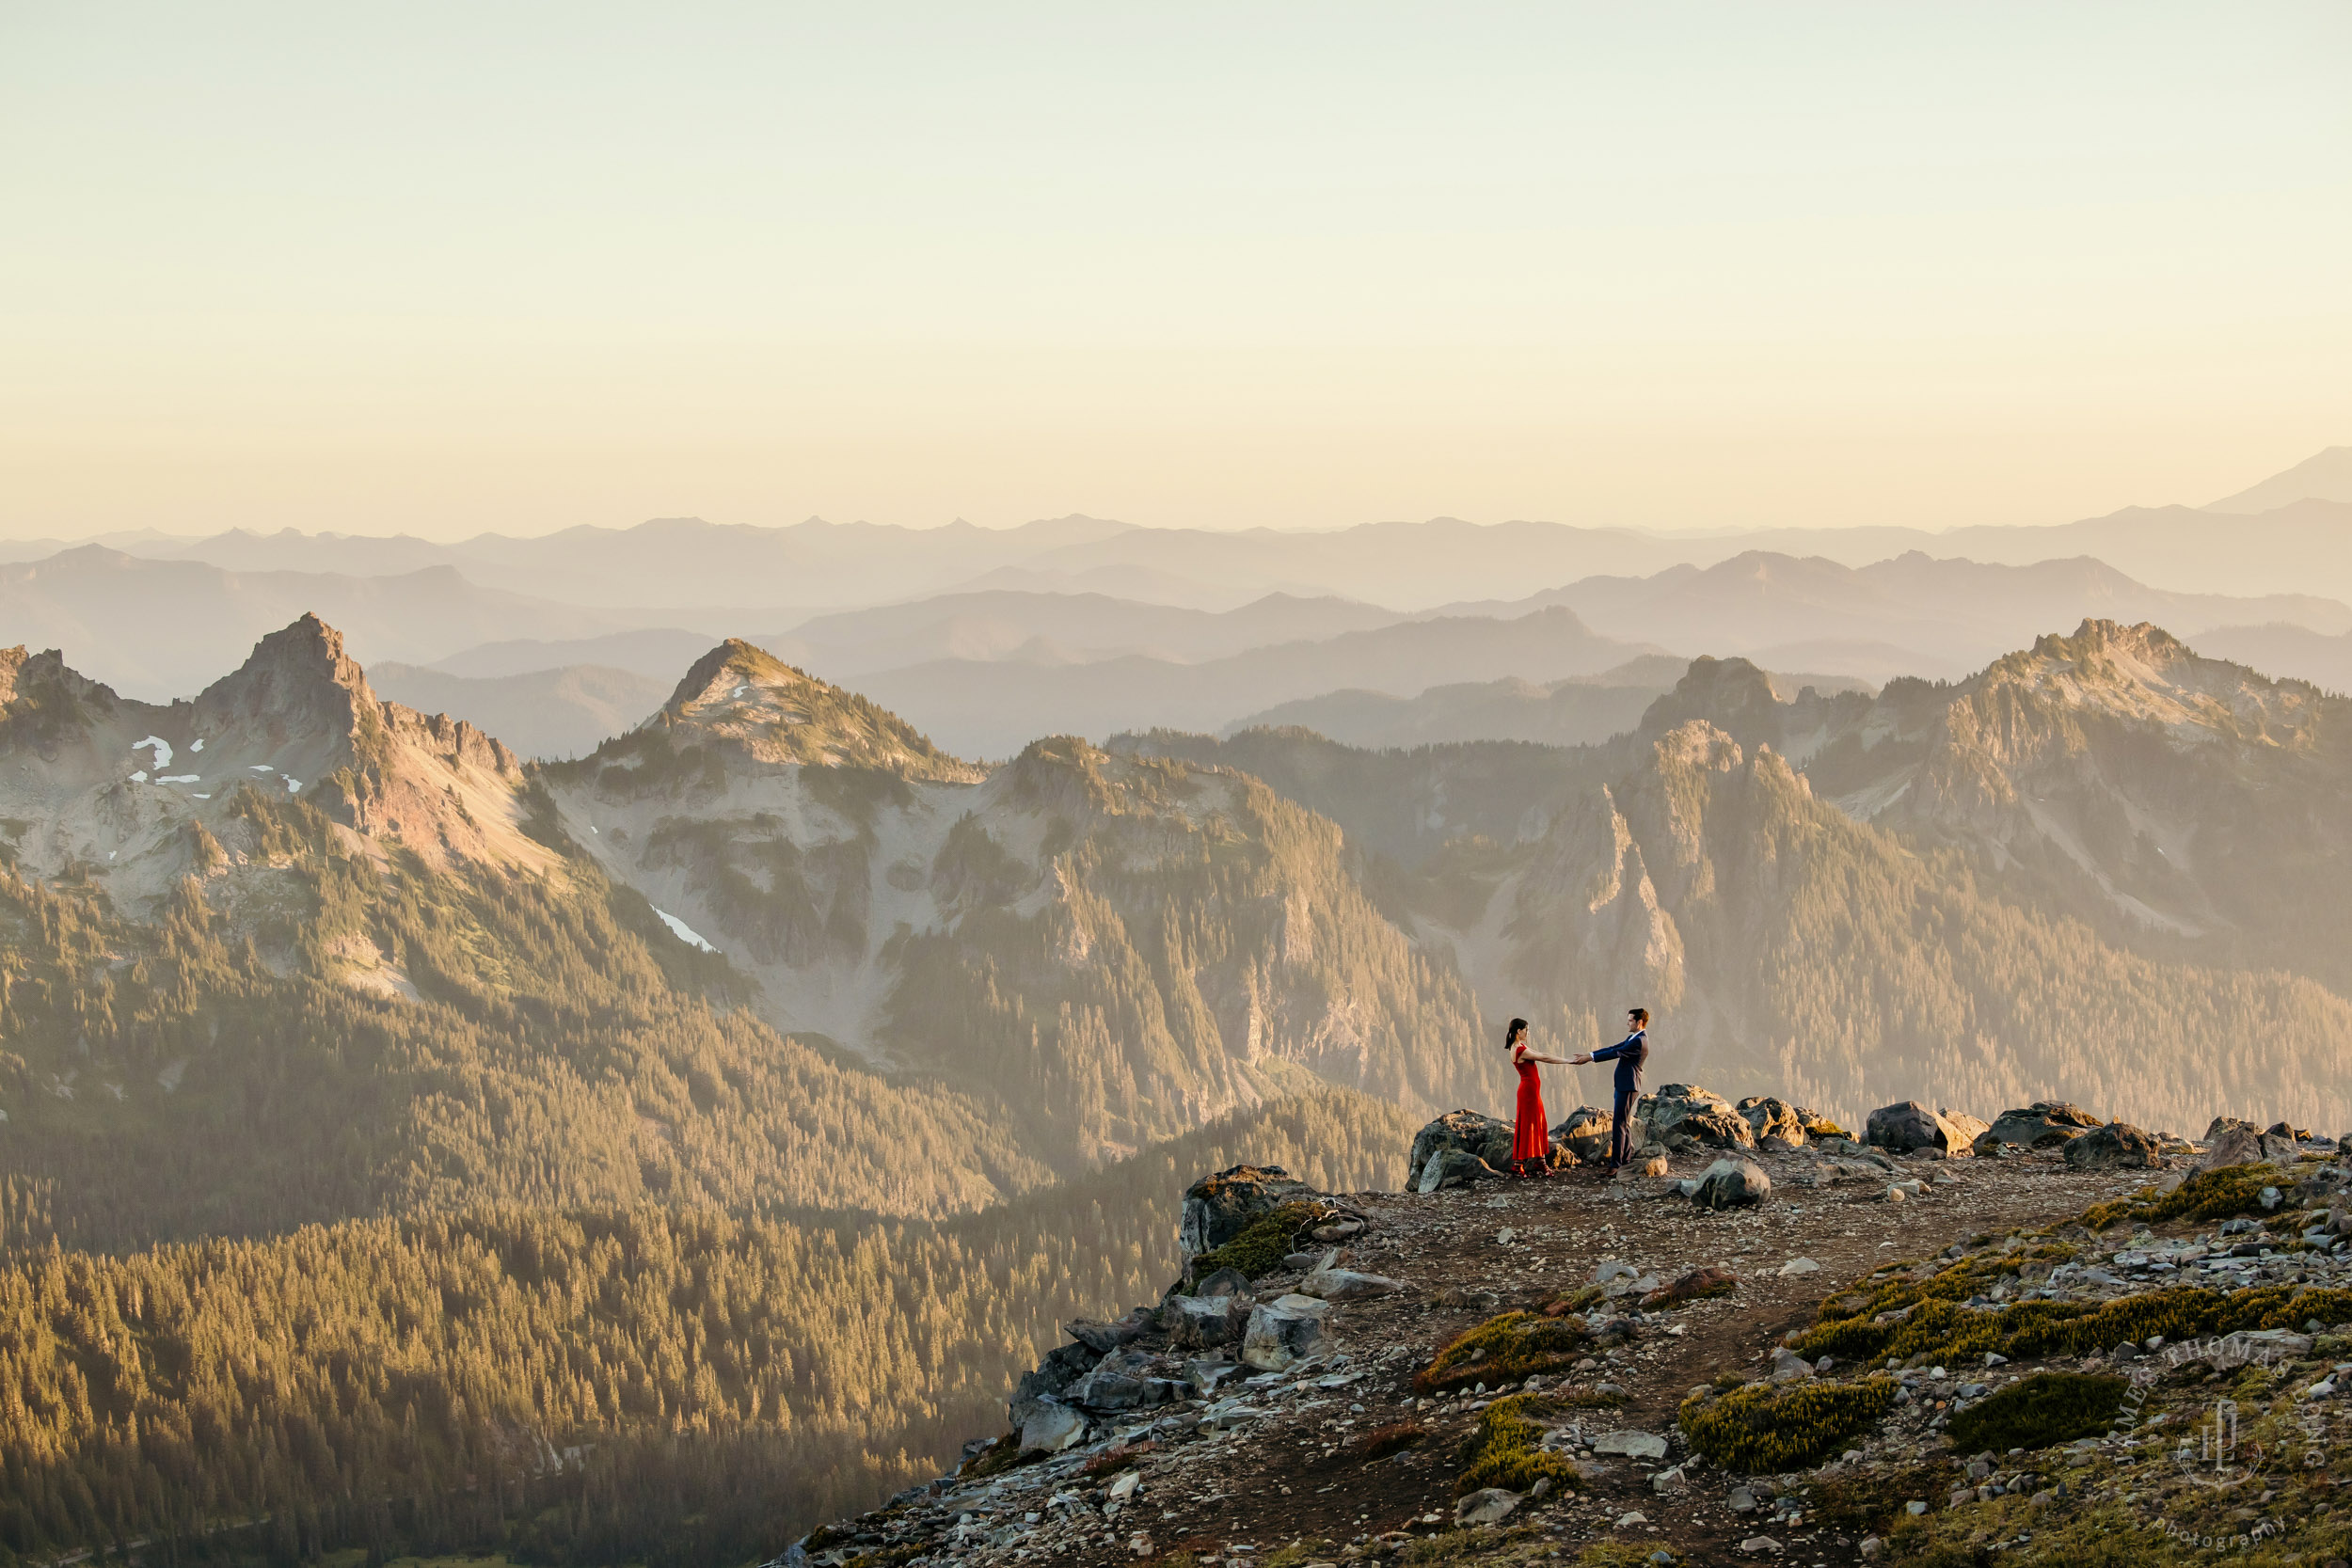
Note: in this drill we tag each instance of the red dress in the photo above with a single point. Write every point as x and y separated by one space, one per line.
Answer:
1531 1139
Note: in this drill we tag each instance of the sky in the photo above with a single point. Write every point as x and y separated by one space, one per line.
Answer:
441 269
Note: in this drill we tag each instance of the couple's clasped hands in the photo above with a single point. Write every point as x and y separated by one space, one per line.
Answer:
1580 1058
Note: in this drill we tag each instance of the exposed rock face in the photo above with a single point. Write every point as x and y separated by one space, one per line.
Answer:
2231 1142
1909 1125
1583 1132
1687 1111
1768 1115
1220 1208
1284 1331
2041 1125
1732 1184
1473 1133
2117 1144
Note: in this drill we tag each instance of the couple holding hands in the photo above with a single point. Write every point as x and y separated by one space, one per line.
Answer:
1530 1138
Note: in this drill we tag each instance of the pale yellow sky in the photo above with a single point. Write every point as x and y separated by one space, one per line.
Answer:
1713 265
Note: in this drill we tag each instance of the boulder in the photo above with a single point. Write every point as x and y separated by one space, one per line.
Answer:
1732 1184
1819 1126
1908 1125
2116 1144
1488 1507
1281 1332
2043 1124
1223 1282
1769 1116
1220 1208
1633 1445
1052 1428
1347 1285
2231 1142
1453 1167
1483 1138
1715 1130
1583 1132
1685 1110
1205 1321
1968 1126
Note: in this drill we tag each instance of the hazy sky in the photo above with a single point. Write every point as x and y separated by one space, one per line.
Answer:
442 269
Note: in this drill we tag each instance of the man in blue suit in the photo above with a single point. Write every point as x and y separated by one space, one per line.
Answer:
1630 1054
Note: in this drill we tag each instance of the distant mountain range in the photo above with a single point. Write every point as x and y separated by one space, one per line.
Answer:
2291 533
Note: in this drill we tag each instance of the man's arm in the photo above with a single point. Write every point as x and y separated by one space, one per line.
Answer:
1610 1052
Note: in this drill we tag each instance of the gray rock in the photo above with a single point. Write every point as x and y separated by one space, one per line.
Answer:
1632 1444
1482 1137
1062 1365
1206 1322
1102 1339
1761 1545
1223 1282
1489 1507
1908 1125
1687 1111
1348 1285
1788 1366
1732 1184
2115 1146
2043 1124
2231 1142
1052 1428
1455 1167
1278 1335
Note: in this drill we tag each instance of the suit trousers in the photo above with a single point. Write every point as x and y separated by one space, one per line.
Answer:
1621 1130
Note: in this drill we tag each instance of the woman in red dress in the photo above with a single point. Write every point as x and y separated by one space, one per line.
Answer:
1530 1138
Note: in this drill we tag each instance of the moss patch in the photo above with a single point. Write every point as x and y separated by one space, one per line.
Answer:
1944 1329
2209 1195
1504 1449
1505 1349
1766 1430
2045 1409
1258 1250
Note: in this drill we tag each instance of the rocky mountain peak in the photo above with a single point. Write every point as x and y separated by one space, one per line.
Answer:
2144 672
297 677
773 712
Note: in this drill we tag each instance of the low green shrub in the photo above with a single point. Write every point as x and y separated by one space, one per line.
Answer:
1504 1449
2045 1409
1504 1351
1944 1330
1766 1430
2209 1195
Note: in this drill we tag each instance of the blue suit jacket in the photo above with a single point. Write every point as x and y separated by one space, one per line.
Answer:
1630 1054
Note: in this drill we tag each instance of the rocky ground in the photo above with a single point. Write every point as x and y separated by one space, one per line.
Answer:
1605 1371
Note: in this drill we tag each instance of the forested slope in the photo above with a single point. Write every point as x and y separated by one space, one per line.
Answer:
664 1383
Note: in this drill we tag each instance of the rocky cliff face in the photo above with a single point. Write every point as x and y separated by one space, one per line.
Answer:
1120 947
135 795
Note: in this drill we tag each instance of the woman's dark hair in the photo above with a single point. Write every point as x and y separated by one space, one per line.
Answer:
1510 1036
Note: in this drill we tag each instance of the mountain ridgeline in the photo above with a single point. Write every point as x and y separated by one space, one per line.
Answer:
707 1120
2104 867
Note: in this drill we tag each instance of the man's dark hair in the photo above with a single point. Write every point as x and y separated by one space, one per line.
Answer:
1639 1015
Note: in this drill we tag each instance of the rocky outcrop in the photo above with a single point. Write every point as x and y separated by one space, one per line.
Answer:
1684 1115
2231 1142
1483 1137
1220 1208
2043 1124
1584 1132
1768 1116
